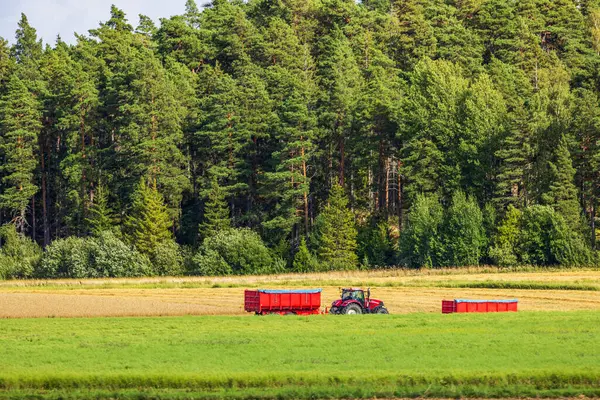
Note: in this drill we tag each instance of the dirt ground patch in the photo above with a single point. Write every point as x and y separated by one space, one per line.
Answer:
27 302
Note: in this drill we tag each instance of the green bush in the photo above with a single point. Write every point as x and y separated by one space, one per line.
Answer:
167 259
111 257
209 263
66 258
98 257
19 256
235 251
463 232
420 243
546 239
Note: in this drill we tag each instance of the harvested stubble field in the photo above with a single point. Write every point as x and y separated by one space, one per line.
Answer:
545 354
402 290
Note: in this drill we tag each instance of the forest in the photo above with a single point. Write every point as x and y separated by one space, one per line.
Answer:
264 136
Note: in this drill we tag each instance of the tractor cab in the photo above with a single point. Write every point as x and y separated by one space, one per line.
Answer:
354 294
354 301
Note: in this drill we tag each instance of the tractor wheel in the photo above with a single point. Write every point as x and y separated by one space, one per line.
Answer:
381 310
353 309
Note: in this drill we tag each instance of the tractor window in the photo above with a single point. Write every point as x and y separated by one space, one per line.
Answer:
360 296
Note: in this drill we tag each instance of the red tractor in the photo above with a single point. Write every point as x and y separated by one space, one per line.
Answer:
353 302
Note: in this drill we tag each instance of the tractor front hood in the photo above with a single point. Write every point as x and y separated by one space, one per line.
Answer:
337 303
343 303
375 303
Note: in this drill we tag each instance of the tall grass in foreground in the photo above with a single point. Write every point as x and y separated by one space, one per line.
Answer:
489 355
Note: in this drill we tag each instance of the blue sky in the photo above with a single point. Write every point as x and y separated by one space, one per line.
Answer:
64 17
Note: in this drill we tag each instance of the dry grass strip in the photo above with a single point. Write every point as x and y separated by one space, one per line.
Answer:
27 303
381 277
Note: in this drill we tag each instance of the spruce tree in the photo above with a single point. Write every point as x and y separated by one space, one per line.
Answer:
6 63
304 261
27 51
337 247
19 129
562 194
148 224
216 140
101 217
216 212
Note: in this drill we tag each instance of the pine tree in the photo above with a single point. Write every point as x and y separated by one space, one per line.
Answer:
142 128
216 212
411 37
586 153
341 83
192 14
20 126
148 224
337 247
373 148
146 26
454 40
288 186
101 218
255 118
68 175
430 129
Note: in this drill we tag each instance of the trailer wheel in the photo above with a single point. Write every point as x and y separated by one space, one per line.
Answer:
353 309
381 310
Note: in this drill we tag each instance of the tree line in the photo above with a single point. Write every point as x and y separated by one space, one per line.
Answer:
273 135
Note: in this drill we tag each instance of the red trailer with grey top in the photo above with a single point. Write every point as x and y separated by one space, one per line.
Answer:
464 306
283 302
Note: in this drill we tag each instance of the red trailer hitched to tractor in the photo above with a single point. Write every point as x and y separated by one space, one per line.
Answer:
308 301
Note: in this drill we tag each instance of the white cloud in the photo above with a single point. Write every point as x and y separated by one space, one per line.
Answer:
53 17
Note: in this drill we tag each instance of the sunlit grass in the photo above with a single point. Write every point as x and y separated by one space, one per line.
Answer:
415 354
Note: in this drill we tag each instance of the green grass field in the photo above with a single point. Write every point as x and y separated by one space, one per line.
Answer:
432 355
